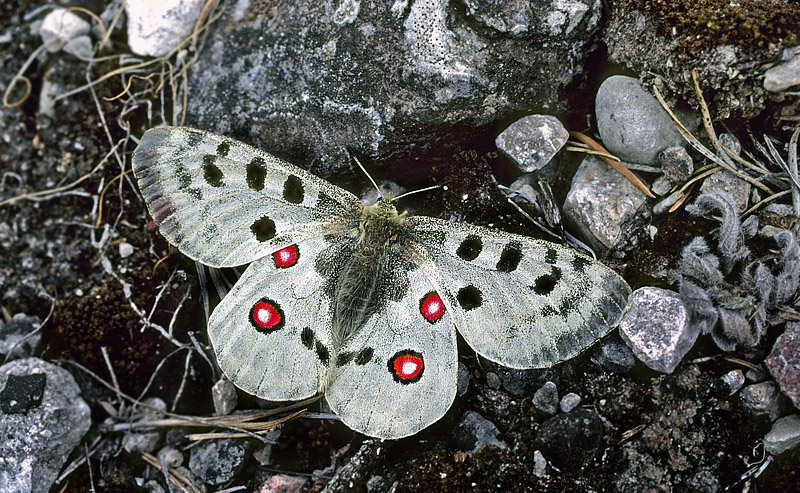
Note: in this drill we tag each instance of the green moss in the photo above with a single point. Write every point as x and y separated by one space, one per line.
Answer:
756 24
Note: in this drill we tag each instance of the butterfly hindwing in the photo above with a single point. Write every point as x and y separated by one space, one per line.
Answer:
398 373
225 203
272 332
521 302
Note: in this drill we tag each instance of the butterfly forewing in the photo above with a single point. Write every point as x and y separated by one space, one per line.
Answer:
398 373
225 203
272 332
521 302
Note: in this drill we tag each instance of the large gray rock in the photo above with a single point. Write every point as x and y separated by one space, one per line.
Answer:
784 362
604 208
631 122
216 462
42 419
394 80
532 141
155 28
571 440
783 76
784 435
657 328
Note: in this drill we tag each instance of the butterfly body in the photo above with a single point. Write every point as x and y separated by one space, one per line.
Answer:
360 302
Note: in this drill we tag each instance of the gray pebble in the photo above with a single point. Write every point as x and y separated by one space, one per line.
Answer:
784 435
532 141
570 402
224 395
546 398
475 432
734 379
762 399
492 380
463 379
783 76
676 163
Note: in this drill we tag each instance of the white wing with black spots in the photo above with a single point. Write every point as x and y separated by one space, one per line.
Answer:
521 302
225 203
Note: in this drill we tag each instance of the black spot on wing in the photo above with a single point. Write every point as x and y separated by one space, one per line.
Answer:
470 247
322 352
551 256
210 231
469 297
545 283
436 238
223 148
326 202
293 190
549 310
193 139
263 229
344 358
510 258
211 172
364 356
256 173
580 263
307 337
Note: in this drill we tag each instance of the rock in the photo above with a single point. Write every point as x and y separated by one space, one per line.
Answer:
783 76
661 186
570 440
522 383
263 454
138 442
546 398
604 208
539 464
731 142
474 432
61 26
762 399
492 380
724 181
356 470
784 435
125 249
532 141
19 337
283 483
155 28
569 402
779 215
224 395
463 379
217 461
171 456
613 355
631 122
783 362
734 379
308 75
37 441
657 328
676 163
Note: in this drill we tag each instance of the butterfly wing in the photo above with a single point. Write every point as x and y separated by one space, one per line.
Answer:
521 302
398 373
225 203
272 332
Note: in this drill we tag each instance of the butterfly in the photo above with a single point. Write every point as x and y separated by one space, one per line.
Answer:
358 301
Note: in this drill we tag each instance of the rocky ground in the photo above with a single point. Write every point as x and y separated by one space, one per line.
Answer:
108 381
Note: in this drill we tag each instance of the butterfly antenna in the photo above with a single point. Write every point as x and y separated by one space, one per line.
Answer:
417 191
365 172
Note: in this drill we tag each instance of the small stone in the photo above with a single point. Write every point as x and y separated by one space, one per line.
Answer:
762 399
492 380
661 186
59 27
532 141
604 208
570 440
263 454
283 483
139 442
80 47
725 182
125 249
779 215
734 379
613 355
224 395
153 486
171 456
676 163
657 328
631 122
216 462
463 379
475 432
155 28
153 408
783 76
546 398
570 402
19 337
783 362
539 464
731 142
784 435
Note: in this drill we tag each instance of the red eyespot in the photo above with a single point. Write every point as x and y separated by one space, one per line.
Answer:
431 307
406 366
267 316
286 257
